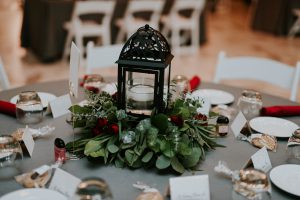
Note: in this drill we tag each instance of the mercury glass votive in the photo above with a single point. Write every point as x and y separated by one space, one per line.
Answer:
29 108
140 96
250 103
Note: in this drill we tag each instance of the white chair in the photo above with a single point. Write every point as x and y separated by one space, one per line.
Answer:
296 26
4 83
130 22
261 69
101 56
175 22
79 28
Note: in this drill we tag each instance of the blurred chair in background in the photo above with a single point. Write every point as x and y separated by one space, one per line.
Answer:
175 23
4 83
79 28
101 56
296 26
261 69
134 19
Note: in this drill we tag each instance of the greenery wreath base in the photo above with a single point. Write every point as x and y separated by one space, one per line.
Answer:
176 139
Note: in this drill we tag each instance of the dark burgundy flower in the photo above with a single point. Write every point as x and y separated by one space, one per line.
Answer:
93 89
102 122
177 120
202 118
115 96
114 128
96 131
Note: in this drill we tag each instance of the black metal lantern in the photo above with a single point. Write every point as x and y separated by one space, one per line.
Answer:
144 68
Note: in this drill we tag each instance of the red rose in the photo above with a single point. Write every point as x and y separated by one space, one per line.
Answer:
177 120
114 128
102 122
202 118
92 89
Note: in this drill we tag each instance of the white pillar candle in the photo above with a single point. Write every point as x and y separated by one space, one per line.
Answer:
141 93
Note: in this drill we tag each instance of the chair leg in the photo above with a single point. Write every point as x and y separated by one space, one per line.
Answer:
175 40
120 36
67 45
294 29
195 39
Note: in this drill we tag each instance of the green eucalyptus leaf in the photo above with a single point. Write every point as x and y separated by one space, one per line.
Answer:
177 166
80 110
112 148
162 162
151 136
147 157
99 153
129 156
184 149
193 159
119 163
92 146
185 112
167 149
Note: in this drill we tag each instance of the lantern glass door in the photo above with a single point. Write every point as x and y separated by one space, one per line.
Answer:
140 93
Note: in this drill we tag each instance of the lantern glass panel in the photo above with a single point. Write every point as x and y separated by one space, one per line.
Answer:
140 95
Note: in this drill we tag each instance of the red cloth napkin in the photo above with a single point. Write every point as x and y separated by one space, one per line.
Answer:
194 82
8 108
280 111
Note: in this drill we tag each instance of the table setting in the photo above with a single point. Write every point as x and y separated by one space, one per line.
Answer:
143 137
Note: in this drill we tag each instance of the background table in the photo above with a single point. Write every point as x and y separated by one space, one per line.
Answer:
275 16
42 28
235 154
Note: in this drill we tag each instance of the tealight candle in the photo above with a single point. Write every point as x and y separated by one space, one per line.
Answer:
141 93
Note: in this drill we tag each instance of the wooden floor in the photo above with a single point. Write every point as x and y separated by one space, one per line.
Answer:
228 29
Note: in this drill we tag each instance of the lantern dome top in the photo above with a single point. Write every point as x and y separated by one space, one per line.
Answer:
146 45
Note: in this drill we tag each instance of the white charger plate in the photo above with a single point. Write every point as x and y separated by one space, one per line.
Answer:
45 98
34 194
287 178
216 97
273 126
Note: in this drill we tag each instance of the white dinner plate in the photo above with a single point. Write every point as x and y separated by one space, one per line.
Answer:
287 178
273 126
216 97
45 98
34 194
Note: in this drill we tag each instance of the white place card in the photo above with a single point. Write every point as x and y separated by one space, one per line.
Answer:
74 68
190 188
28 141
261 160
238 124
64 183
60 105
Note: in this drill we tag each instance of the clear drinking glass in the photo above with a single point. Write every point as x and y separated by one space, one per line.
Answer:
250 103
29 108
10 149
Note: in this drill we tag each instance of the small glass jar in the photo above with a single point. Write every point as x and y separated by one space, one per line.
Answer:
29 108
250 103
222 125
181 85
10 148
293 148
59 150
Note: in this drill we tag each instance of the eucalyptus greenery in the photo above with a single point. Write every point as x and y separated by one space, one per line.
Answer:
176 139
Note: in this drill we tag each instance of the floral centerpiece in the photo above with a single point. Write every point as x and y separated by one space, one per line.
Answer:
177 138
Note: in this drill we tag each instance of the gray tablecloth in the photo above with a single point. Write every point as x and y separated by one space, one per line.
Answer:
235 154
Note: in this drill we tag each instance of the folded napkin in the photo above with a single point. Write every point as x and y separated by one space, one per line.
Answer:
194 83
8 108
280 111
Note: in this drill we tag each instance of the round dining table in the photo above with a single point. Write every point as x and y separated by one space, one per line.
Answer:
120 180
